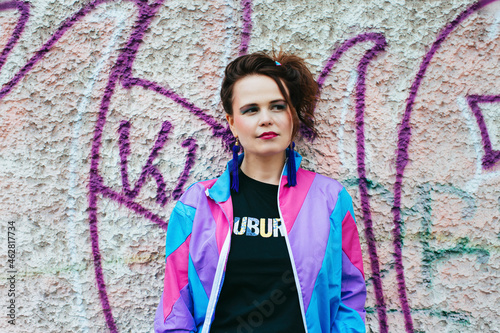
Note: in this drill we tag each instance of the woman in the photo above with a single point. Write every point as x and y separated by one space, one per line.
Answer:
267 246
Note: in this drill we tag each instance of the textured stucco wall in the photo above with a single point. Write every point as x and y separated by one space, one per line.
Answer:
409 121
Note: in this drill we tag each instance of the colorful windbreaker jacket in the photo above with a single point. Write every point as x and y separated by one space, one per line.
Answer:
322 241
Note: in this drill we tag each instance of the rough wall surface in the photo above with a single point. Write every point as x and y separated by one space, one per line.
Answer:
109 109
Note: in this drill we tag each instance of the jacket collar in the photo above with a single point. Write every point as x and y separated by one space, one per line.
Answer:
221 189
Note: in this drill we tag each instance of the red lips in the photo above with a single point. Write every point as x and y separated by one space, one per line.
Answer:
267 135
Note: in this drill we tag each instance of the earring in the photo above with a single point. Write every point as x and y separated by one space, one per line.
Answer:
235 184
290 165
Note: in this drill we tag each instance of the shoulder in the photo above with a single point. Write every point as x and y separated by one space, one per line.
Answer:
328 190
200 186
196 191
320 182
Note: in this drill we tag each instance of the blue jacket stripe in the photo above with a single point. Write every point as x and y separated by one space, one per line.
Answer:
179 227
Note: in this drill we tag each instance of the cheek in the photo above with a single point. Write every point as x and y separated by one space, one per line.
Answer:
242 126
286 121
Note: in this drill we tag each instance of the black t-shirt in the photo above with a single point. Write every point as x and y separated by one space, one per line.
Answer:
258 293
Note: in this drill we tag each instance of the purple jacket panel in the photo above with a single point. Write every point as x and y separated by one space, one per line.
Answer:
308 238
203 246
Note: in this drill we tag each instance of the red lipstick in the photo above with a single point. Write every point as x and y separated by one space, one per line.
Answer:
268 135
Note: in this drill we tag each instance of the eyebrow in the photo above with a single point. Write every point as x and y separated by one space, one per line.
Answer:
278 100
246 106
255 104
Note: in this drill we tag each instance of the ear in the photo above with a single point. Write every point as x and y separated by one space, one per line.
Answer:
230 121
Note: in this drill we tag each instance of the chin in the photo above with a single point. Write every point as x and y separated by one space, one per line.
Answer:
270 152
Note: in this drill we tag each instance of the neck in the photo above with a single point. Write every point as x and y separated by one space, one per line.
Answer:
266 169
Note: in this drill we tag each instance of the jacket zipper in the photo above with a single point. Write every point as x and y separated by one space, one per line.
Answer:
292 261
221 264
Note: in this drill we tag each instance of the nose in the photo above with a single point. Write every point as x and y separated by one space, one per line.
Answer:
265 117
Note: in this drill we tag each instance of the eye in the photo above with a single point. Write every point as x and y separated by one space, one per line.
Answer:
251 109
278 106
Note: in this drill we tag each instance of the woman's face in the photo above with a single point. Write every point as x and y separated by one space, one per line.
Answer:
261 118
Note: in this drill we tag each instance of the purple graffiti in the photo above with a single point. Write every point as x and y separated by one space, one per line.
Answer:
247 26
121 74
149 170
404 137
24 9
491 156
190 144
380 45
218 130
65 26
121 71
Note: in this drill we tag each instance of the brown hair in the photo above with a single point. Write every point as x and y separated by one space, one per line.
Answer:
290 71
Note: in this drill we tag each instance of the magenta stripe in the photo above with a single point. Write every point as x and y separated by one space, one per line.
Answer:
176 276
350 243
